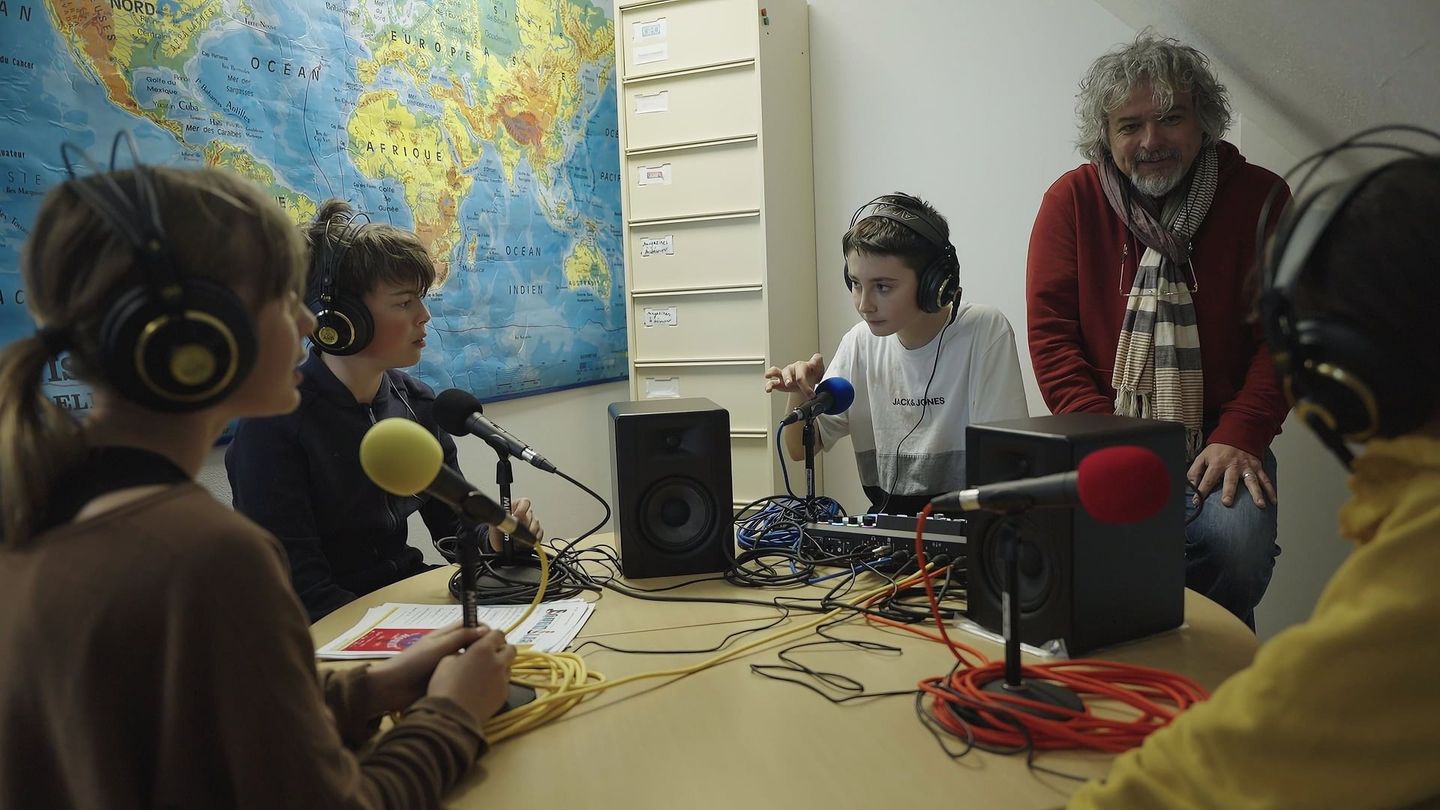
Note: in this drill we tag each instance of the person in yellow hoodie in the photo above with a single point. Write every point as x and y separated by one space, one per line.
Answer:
1344 709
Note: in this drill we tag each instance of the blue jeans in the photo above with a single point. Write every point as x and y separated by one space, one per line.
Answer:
1230 551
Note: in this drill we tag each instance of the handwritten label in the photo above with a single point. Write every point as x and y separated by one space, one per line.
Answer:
657 246
661 316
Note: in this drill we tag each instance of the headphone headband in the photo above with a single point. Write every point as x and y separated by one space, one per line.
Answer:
907 212
1341 380
335 249
343 324
170 343
938 282
137 221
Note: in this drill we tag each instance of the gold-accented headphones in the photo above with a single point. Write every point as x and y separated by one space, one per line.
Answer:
1343 384
170 343
343 324
939 279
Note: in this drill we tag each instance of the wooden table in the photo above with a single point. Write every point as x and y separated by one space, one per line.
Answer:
726 737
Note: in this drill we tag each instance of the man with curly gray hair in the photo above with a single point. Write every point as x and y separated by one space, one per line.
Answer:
1135 290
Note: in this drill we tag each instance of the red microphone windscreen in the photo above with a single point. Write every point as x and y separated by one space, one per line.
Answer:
1124 484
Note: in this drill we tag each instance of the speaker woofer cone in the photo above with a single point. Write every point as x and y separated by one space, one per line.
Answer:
1037 564
677 514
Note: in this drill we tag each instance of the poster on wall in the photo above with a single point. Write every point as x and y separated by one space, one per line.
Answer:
489 128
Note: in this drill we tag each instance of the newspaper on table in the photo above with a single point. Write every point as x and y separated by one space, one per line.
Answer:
390 628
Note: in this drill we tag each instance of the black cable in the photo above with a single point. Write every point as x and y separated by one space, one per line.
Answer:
499 586
912 606
609 559
939 732
924 408
592 493
963 710
794 670
753 568
718 600
784 614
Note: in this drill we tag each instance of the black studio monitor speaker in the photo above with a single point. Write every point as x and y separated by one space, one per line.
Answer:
1082 582
670 461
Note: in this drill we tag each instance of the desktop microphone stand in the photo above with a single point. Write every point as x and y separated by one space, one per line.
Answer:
1014 683
504 475
469 559
807 436
519 694
467 548
515 570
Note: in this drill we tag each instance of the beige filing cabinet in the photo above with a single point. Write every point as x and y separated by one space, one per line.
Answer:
718 196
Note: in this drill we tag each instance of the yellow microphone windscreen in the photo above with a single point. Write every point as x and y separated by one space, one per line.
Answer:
400 456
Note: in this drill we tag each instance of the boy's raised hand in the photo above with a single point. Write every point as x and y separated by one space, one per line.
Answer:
799 377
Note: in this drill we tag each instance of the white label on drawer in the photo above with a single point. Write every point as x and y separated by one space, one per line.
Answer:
648 30
657 246
656 102
646 54
660 316
662 387
653 175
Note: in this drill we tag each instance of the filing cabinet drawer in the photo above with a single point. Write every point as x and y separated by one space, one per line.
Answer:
706 106
722 326
699 253
737 387
664 37
751 462
694 181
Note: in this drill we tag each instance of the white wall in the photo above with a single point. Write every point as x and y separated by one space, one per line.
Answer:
971 105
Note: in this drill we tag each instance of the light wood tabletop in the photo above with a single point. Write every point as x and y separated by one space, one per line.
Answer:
727 737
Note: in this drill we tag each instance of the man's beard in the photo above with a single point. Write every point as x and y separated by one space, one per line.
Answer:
1156 185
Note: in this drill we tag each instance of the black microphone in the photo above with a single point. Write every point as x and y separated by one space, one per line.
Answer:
1121 484
459 413
1056 489
832 396
403 458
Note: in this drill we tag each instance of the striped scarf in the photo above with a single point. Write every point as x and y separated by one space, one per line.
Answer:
1157 362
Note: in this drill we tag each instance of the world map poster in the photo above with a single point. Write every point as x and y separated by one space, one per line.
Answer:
489 128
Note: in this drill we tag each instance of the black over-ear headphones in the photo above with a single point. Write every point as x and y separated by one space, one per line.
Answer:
1340 380
170 343
939 279
342 321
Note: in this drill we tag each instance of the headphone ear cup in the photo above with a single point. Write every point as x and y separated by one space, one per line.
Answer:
1351 383
344 326
845 273
178 364
927 292
939 282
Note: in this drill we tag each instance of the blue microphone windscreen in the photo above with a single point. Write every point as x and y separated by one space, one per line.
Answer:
841 392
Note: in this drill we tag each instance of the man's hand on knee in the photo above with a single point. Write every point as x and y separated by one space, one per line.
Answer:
1230 467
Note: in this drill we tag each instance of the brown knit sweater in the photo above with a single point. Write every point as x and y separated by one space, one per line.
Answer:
156 657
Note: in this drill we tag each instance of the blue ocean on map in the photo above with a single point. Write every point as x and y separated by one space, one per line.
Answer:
495 98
